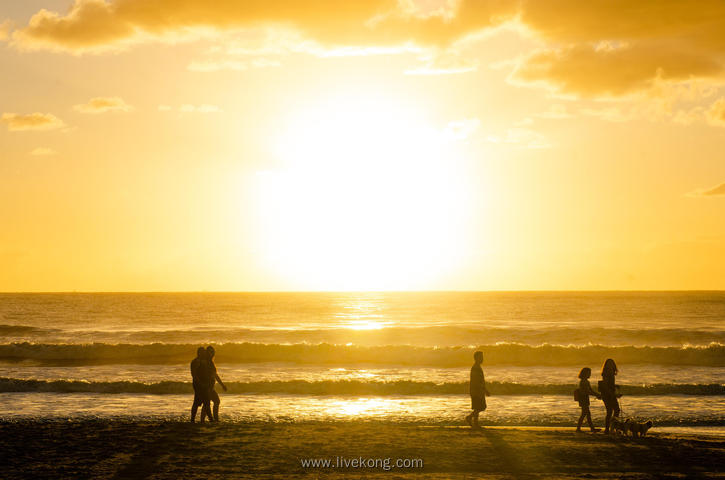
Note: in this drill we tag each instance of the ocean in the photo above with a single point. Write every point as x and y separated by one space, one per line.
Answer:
398 357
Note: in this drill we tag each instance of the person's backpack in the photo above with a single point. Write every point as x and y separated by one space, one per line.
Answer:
576 395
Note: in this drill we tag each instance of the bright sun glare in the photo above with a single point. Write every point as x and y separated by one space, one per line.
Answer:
368 196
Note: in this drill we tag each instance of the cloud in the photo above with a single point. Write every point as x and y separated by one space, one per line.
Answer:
687 117
443 64
203 108
555 112
461 130
97 25
716 113
588 71
610 114
103 105
43 152
5 27
600 48
619 47
31 121
264 47
521 137
572 21
165 108
231 64
524 122
717 191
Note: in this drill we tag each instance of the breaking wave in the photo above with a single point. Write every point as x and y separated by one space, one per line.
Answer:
499 354
24 330
440 335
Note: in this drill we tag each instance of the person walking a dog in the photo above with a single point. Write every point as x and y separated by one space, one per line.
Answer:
608 390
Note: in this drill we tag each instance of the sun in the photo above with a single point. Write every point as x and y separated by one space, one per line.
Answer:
367 196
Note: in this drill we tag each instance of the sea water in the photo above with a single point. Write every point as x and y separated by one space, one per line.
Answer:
387 356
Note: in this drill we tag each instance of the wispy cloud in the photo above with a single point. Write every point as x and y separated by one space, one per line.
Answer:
43 152
103 105
609 114
443 64
555 112
687 116
265 47
717 191
716 113
5 27
231 64
524 122
521 137
32 121
461 129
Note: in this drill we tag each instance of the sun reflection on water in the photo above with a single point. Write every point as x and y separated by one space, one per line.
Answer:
362 314
360 406
364 325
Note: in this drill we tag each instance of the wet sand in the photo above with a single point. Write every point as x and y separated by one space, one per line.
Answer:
114 449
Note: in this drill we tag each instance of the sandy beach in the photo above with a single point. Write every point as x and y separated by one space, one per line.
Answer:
109 449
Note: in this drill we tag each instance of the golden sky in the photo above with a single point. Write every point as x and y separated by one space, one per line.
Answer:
365 144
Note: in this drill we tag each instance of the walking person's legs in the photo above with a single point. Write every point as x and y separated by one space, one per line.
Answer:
194 408
472 418
206 410
215 399
478 404
588 415
608 419
195 405
585 411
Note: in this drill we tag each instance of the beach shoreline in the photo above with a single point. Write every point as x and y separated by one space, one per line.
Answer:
108 449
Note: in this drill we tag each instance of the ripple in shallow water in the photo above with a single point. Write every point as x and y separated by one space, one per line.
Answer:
551 410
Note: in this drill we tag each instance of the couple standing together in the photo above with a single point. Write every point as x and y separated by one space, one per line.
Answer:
204 376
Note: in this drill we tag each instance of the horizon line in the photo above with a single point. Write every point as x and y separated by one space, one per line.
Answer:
368 291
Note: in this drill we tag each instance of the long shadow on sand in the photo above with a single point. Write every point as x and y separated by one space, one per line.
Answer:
505 453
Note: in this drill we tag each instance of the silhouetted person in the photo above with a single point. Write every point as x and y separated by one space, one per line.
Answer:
200 380
214 377
583 392
478 391
608 390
